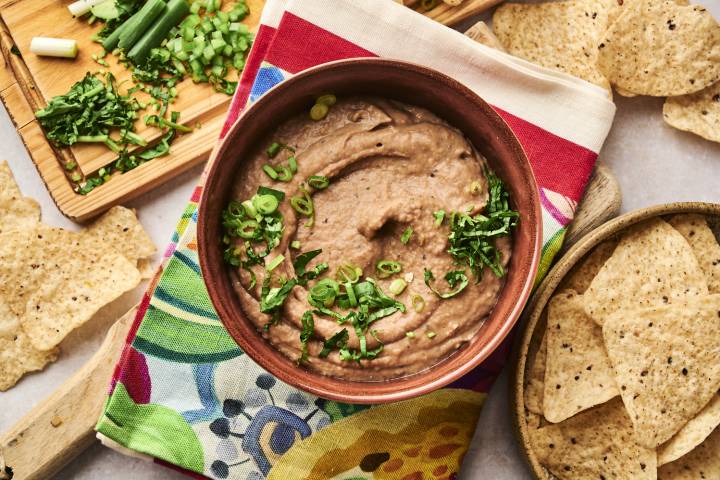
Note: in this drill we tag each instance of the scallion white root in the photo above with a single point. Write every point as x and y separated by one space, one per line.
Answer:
81 7
54 47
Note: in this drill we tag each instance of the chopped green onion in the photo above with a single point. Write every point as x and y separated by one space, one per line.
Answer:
284 174
418 303
405 237
318 182
318 111
397 286
304 206
81 7
273 149
247 229
431 335
54 47
350 290
142 21
328 99
292 163
439 217
265 204
385 268
274 263
410 334
270 171
70 165
249 208
295 244
324 292
348 272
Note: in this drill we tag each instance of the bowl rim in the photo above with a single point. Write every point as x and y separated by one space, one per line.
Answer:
525 285
549 286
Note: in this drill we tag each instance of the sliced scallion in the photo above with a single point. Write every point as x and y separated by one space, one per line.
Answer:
295 244
405 237
397 286
284 174
439 217
265 204
292 164
54 47
273 149
385 268
270 171
418 303
318 111
275 262
348 272
247 229
318 182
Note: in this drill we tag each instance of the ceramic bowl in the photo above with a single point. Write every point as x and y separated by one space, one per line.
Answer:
411 84
535 318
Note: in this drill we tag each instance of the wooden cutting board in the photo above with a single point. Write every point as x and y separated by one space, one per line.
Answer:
27 82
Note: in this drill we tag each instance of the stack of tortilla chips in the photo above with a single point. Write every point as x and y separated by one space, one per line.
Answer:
663 48
54 280
625 383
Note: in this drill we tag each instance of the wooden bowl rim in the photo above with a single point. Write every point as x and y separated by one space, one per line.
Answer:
329 387
545 291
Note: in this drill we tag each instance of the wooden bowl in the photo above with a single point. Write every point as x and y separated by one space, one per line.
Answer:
408 83
534 319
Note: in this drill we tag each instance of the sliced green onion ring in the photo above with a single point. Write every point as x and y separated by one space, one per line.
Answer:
250 209
347 272
304 206
385 268
284 174
292 163
327 99
265 204
397 286
273 149
318 111
325 291
318 182
247 229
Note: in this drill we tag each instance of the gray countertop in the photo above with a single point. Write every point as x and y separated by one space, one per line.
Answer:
653 162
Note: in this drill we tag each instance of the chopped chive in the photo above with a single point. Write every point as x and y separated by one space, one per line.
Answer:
397 286
328 99
270 171
318 182
405 237
265 204
318 111
273 149
275 262
284 174
385 268
418 303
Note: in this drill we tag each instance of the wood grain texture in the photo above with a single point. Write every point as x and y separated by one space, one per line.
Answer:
59 428
40 78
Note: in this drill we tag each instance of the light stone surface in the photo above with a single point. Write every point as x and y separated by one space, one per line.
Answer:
653 162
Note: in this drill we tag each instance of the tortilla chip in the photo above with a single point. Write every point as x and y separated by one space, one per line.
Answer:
667 363
698 112
582 274
661 48
120 228
703 242
578 374
535 378
652 265
17 355
16 211
481 33
558 35
532 420
692 434
598 443
146 268
54 281
701 463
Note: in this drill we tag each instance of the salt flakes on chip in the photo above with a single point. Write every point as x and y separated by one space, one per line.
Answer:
557 35
595 444
667 363
578 374
702 463
698 113
652 265
661 48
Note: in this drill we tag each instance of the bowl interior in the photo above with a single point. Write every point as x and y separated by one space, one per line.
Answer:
414 85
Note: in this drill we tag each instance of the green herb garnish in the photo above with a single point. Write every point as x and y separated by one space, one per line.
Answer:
439 217
385 268
318 182
405 237
300 265
454 278
308 328
272 299
337 341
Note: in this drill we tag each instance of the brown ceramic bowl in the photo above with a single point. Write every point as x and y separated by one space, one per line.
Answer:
408 83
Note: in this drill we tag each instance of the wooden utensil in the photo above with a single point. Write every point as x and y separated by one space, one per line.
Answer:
27 82
534 320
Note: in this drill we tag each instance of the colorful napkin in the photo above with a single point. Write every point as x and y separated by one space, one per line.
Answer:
186 396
